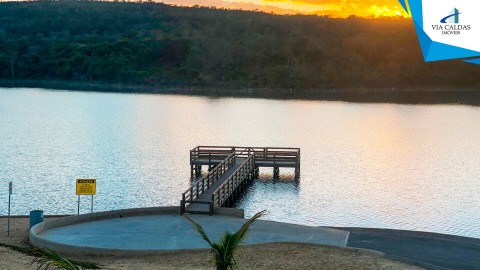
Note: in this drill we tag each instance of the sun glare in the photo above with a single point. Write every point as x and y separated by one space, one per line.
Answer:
385 11
333 8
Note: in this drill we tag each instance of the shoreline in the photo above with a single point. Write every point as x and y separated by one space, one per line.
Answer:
367 248
429 234
427 96
262 256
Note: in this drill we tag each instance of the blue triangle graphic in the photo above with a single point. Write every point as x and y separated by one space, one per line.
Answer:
473 61
404 5
416 11
425 41
432 50
440 51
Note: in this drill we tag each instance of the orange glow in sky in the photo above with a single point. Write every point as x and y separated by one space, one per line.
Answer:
335 8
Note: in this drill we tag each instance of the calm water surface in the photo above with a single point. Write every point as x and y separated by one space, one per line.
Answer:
370 165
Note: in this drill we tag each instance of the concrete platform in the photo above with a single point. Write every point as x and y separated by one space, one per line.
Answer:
168 232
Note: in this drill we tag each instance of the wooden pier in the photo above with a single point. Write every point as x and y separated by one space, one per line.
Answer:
231 169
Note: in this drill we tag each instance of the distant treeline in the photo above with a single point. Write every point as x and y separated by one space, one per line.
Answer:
158 45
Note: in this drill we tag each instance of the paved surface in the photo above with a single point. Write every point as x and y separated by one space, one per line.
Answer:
170 232
449 252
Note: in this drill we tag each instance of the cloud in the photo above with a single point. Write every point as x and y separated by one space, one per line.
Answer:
350 7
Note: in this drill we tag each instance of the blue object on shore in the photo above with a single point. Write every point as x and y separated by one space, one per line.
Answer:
36 216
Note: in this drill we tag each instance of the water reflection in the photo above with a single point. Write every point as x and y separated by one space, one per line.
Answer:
371 165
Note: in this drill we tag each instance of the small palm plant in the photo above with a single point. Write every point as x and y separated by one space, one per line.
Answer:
223 251
47 259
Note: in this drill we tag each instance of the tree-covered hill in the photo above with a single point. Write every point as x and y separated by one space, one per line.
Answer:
159 45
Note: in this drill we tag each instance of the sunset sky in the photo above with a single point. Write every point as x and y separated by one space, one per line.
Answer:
336 8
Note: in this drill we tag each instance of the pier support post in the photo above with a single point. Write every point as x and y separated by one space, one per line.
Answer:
276 172
297 173
182 207
297 166
198 170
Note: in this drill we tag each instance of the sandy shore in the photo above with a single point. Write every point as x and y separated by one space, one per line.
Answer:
265 256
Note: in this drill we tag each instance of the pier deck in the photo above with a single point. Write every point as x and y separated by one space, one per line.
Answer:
275 157
230 170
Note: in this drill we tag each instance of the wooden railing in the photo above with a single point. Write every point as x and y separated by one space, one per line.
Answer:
204 183
223 193
275 154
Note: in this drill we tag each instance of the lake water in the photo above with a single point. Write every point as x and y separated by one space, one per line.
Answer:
372 165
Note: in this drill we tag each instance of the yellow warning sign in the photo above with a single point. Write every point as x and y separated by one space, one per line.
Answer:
86 186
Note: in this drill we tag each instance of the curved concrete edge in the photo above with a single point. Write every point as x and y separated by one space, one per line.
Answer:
234 212
38 241
449 237
69 220
71 250
94 252
66 249
28 216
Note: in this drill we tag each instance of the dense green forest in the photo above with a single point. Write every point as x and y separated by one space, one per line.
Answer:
158 45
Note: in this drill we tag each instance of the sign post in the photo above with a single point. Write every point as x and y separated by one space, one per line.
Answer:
10 189
86 187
